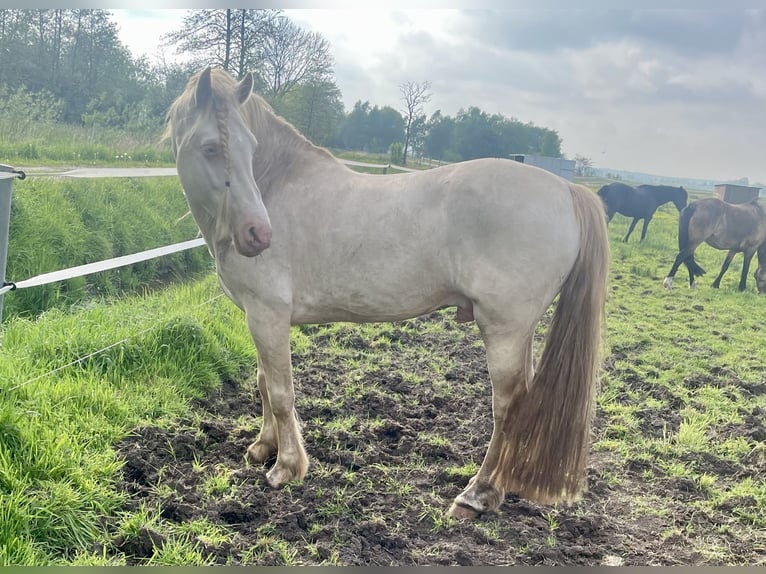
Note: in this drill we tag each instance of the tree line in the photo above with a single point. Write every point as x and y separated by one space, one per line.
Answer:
74 64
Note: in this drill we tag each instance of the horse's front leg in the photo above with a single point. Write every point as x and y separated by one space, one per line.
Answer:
748 257
630 229
726 262
280 430
645 227
266 443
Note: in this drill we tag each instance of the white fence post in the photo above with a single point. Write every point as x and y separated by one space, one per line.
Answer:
7 174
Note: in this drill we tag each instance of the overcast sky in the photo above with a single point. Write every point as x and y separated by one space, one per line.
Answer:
668 92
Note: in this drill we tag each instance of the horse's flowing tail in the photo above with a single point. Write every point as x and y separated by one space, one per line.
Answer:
547 429
683 240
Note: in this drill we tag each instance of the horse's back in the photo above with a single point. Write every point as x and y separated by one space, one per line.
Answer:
627 200
506 203
726 225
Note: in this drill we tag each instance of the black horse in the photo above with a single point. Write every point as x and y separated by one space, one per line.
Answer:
639 202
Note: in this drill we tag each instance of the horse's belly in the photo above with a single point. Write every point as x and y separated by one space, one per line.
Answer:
371 306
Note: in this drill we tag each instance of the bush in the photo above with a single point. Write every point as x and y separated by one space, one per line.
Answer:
23 113
396 153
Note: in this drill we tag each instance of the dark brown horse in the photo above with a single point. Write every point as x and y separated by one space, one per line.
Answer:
639 202
760 273
735 227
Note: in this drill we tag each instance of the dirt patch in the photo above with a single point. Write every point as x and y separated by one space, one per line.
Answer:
390 425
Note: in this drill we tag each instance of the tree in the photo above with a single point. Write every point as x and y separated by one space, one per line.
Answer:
355 130
418 135
551 145
385 126
439 132
583 166
74 54
206 34
476 135
316 109
371 128
288 56
228 38
414 96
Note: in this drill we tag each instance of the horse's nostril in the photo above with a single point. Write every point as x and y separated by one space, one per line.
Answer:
262 239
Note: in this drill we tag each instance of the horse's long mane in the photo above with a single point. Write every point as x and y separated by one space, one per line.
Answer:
259 114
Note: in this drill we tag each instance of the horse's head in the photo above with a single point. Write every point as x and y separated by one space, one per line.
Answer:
680 199
603 193
214 151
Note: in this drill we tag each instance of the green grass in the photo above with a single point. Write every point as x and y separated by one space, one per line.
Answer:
56 224
57 463
29 141
698 346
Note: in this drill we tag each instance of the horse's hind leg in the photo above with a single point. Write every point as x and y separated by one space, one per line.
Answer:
726 262
685 256
509 359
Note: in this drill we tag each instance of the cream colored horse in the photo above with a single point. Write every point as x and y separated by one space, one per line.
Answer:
299 238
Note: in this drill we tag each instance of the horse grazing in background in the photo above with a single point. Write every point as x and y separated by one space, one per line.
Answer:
760 272
300 238
722 225
639 202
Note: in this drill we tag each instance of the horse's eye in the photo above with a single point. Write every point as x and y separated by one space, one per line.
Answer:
210 150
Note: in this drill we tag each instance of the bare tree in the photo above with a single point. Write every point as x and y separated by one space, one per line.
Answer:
207 34
583 165
290 56
229 38
414 96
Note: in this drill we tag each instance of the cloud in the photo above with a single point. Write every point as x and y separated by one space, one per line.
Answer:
534 30
678 92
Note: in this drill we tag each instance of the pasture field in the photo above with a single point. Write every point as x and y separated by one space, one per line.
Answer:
134 455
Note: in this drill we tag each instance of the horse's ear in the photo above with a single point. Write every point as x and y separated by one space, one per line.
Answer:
204 88
245 88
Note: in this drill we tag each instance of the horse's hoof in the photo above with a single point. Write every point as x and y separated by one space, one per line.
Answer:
477 498
461 512
668 283
288 469
259 452
276 477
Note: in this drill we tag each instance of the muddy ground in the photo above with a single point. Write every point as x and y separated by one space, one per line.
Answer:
390 422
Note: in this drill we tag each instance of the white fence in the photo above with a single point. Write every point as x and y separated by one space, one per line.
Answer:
7 174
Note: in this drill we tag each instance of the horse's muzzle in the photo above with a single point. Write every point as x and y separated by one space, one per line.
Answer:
253 239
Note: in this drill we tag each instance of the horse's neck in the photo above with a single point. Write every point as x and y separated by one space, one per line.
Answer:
663 194
284 154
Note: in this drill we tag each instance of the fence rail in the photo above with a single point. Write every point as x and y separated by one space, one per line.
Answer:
7 174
